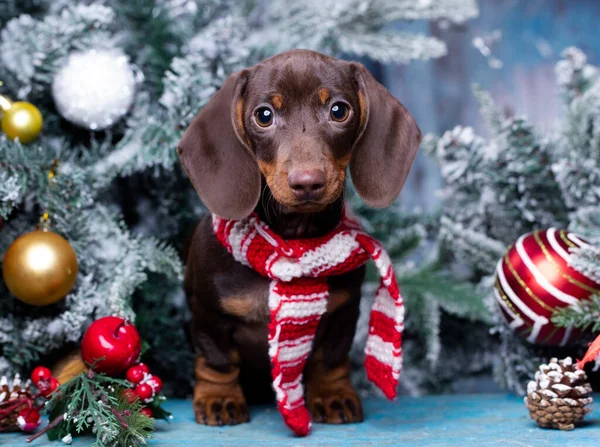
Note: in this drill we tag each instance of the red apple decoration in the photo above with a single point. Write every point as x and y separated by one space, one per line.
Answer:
29 419
111 345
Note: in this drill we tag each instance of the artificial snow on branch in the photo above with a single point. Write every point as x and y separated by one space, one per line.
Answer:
520 180
119 196
584 315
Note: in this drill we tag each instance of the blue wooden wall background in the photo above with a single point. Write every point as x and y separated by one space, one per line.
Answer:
438 92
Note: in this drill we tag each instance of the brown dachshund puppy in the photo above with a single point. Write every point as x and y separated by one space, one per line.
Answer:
277 139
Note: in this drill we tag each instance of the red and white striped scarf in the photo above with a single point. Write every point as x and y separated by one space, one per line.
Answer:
298 296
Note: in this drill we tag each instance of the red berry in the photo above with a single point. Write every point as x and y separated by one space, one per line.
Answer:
135 374
29 419
129 396
155 383
47 387
111 345
144 391
147 412
40 373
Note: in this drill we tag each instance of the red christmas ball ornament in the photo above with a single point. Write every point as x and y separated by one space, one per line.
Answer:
136 373
111 345
156 383
29 419
40 373
534 278
144 392
47 387
129 396
147 412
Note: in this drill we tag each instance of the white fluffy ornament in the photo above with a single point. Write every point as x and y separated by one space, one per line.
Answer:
95 88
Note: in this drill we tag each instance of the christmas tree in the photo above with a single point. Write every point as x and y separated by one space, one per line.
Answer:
520 180
104 172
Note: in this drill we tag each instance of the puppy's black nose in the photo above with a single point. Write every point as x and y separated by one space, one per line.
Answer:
307 185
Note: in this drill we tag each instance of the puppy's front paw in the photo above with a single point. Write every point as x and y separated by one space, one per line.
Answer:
335 403
218 397
221 410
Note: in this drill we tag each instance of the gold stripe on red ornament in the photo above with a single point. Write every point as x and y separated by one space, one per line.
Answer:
534 278
529 318
510 312
540 273
560 264
566 240
552 334
554 281
516 282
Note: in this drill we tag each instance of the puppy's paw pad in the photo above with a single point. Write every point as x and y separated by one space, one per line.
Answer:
337 407
220 410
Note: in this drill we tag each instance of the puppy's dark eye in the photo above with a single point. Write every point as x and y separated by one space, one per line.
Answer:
264 117
339 112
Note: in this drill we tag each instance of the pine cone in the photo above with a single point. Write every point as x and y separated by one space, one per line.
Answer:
559 395
10 394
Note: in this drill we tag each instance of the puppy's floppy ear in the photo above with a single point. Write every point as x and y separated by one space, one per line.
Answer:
216 154
386 144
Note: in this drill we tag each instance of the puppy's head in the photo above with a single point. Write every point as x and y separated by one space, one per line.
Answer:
299 119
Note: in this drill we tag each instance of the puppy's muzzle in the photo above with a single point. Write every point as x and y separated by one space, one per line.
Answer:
307 185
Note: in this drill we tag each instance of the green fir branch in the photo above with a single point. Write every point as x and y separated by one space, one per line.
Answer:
93 404
475 248
492 114
120 185
151 37
456 297
35 49
583 315
586 222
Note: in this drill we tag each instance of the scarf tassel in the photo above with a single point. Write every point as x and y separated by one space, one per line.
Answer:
298 298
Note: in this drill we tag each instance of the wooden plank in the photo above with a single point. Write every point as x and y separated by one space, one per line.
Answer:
479 420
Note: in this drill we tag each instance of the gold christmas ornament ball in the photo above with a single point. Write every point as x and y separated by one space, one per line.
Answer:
22 120
40 268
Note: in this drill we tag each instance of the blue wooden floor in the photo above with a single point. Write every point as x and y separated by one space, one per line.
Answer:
492 420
